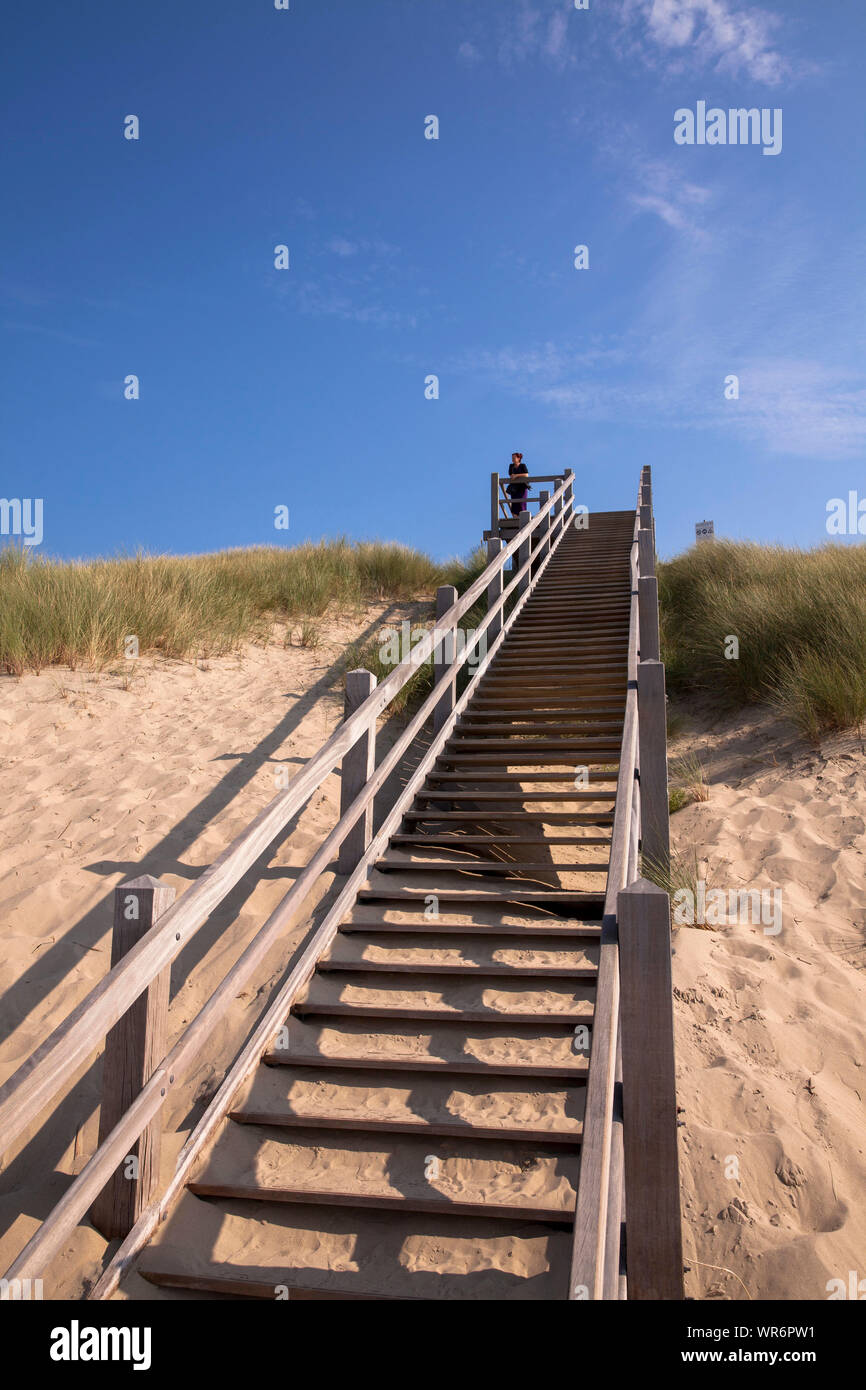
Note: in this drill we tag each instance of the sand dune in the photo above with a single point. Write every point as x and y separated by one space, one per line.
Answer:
771 1027
101 782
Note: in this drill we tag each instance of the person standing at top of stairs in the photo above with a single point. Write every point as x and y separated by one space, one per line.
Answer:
517 491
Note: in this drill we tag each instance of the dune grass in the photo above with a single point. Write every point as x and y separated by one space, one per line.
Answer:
686 782
81 613
799 617
376 655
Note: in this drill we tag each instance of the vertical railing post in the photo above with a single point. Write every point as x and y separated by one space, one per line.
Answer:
444 654
356 767
494 502
568 497
646 552
543 529
133 1049
557 518
651 1162
652 742
523 521
494 589
648 618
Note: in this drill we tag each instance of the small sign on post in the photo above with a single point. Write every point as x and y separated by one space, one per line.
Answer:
704 531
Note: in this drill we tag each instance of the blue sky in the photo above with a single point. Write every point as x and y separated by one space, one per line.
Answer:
409 257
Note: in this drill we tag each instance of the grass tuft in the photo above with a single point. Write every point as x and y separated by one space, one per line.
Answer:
799 618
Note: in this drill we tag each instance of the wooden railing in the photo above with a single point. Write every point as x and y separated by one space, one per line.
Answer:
501 503
139 972
627 1234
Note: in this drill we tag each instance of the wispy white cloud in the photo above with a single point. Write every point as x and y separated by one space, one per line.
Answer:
341 246
714 34
802 407
661 187
522 30
726 36
355 278
786 405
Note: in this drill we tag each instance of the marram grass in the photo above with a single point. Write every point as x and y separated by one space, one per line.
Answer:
81 613
799 620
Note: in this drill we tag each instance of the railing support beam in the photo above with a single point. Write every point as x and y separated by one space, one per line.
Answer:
444 654
356 767
646 553
543 547
653 756
523 521
651 1161
133 1049
494 589
648 613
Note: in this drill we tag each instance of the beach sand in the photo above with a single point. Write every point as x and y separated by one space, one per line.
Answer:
771 1025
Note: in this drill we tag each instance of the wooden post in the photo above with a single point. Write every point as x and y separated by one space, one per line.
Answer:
523 521
494 590
133 1049
654 1242
652 740
543 530
494 501
648 614
355 769
646 518
645 553
444 654
557 519
568 498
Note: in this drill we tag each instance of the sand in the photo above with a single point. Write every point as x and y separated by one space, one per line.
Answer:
103 779
771 1027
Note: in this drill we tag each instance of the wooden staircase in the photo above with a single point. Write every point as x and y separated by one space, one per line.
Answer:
416 1131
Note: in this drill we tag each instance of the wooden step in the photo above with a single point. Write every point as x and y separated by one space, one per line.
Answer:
514 734
463 999
480 775
522 1049
590 930
558 897
433 952
453 1178
491 814
456 841
267 1250
480 1107
480 866
452 794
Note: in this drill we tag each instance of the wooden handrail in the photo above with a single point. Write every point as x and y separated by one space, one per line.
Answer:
80 1195
592 1275
629 1163
499 499
45 1072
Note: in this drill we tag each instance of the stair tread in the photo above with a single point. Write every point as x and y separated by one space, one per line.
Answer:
465 998
496 1104
434 952
257 1162
488 1045
262 1249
